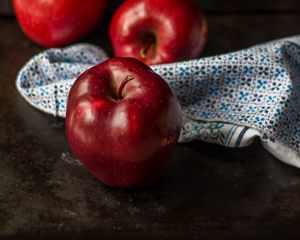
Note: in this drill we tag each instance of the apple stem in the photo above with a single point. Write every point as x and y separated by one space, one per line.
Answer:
126 80
148 45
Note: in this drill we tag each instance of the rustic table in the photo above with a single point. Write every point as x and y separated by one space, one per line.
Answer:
207 192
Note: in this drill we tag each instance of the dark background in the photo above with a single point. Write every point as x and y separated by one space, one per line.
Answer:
207 192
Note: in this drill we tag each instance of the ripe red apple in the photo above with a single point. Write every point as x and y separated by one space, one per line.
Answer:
158 31
52 23
122 122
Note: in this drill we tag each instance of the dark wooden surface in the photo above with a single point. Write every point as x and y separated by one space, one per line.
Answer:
6 8
207 192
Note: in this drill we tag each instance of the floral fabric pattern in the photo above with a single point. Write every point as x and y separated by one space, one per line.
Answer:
227 99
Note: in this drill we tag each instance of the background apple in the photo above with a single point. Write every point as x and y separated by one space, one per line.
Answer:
52 23
122 122
158 31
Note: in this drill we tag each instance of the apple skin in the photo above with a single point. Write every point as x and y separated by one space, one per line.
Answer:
122 122
53 23
158 31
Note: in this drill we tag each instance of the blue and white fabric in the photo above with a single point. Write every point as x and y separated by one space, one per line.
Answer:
228 99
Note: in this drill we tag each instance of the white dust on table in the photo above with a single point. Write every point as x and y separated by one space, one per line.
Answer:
70 160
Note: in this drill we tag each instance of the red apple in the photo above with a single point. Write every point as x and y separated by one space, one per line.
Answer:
52 23
158 31
122 122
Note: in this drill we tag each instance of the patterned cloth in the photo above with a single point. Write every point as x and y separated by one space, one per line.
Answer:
228 99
